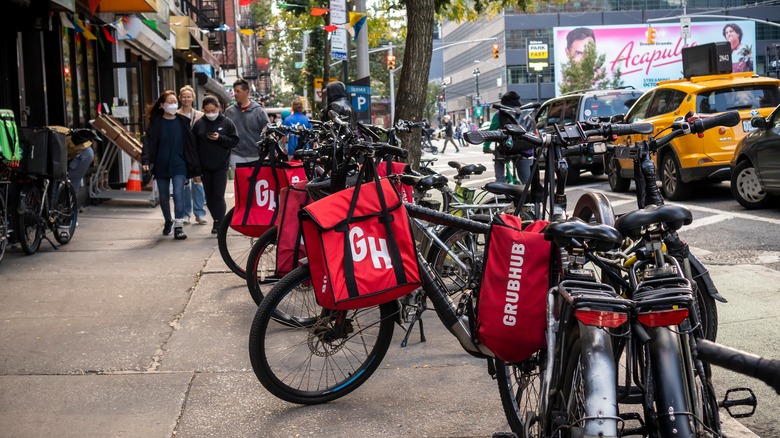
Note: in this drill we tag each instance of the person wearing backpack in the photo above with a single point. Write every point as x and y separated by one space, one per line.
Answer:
500 119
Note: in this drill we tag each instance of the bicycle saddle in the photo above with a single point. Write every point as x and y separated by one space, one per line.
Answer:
672 216
467 169
428 160
513 191
598 237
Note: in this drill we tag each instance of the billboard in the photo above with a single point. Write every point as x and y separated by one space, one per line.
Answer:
642 65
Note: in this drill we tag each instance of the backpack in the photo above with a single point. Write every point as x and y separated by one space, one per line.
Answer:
10 150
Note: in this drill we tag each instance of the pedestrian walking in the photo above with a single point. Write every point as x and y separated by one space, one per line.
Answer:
448 134
250 119
294 120
194 196
169 153
521 164
216 137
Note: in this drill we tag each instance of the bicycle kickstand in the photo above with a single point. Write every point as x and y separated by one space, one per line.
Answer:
417 317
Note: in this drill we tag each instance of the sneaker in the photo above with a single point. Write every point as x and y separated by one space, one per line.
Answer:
215 227
200 220
178 233
167 228
186 220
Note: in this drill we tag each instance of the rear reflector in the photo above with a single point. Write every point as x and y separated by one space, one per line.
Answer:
663 318
601 318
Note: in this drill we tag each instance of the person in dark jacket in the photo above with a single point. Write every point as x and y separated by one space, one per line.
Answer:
448 134
500 120
216 137
336 95
169 152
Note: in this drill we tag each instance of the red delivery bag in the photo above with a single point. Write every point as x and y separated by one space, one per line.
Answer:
387 168
360 247
512 301
289 235
257 185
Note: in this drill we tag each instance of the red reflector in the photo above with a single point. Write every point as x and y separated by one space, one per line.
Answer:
614 137
663 318
701 135
601 318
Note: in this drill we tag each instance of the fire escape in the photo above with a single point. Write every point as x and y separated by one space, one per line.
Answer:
211 15
249 69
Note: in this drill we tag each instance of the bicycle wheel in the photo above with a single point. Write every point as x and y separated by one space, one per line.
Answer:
320 361
3 225
28 219
520 387
234 247
64 213
261 265
459 268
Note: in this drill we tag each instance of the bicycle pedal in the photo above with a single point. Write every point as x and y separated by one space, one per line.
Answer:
748 400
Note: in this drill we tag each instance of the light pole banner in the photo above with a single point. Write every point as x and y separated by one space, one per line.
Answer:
338 39
645 54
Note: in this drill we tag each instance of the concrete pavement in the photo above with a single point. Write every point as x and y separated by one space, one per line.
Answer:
124 332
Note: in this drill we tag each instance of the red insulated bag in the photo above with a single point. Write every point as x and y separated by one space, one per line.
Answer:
360 246
386 168
512 302
257 185
289 235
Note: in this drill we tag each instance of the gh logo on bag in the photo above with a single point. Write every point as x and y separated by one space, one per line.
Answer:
362 246
264 196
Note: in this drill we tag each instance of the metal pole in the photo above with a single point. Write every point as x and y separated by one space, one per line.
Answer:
392 90
303 59
538 87
362 44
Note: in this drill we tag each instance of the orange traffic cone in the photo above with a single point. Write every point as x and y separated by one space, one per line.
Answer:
134 181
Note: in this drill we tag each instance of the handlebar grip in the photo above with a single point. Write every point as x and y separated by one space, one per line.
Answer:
730 118
439 218
300 153
393 150
478 137
766 370
632 128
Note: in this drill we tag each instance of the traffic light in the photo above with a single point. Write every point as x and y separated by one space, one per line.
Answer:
495 51
652 33
390 61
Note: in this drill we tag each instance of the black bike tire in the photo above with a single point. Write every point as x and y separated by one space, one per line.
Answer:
27 221
65 191
259 336
437 255
507 378
233 261
261 247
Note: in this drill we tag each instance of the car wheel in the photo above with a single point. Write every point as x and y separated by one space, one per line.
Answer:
746 187
617 183
671 179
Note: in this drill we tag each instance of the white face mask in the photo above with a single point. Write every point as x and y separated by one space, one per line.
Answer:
170 108
212 116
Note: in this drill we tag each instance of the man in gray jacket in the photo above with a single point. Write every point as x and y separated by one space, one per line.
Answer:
250 118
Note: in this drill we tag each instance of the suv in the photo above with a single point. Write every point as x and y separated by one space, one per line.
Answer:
578 106
689 158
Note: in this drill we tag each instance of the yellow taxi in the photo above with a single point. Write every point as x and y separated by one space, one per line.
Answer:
689 158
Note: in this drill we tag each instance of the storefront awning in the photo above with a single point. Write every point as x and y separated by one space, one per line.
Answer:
128 6
190 41
213 87
139 36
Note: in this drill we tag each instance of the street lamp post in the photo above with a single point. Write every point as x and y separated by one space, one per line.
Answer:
475 72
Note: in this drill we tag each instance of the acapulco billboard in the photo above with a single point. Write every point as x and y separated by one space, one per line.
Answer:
626 49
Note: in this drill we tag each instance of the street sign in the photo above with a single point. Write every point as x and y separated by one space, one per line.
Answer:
318 88
537 50
299 64
685 27
538 66
358 89
361 102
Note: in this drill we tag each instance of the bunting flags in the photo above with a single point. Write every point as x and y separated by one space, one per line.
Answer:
356 22
84 29
318 12
108 36
66 23
93 5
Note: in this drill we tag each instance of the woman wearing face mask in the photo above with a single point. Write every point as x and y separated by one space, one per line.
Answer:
216 136
194 196
169 152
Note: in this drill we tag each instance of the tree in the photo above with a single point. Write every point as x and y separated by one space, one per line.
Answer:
588 73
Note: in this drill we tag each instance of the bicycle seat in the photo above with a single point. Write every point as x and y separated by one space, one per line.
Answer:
513 191
410 180
432 181
467 169
672 216
428 160
575 232
456 164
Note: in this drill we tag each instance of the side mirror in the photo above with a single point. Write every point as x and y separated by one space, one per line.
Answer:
759 122
617 118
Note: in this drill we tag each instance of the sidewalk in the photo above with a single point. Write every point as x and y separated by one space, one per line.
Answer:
125 332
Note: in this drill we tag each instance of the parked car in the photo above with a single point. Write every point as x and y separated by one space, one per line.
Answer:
579 106
755 180
689 158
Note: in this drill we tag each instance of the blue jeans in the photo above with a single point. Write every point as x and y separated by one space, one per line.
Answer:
163 185
194 194
78 165
522 166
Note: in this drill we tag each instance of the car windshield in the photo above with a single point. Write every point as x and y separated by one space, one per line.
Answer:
608 105
738 98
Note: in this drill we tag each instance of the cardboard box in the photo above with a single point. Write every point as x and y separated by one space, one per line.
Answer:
116 133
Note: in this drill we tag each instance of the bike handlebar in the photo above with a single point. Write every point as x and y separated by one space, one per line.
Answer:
766 370
478 137
633 128
730 118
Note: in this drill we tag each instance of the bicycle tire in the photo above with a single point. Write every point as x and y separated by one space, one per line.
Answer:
453 275
3 225
28 219
520 388
283 355
64 214
261 265
234 247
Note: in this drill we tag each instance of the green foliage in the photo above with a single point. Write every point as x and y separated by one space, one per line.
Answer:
588 73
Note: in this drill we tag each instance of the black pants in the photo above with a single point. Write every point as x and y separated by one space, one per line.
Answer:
214 184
